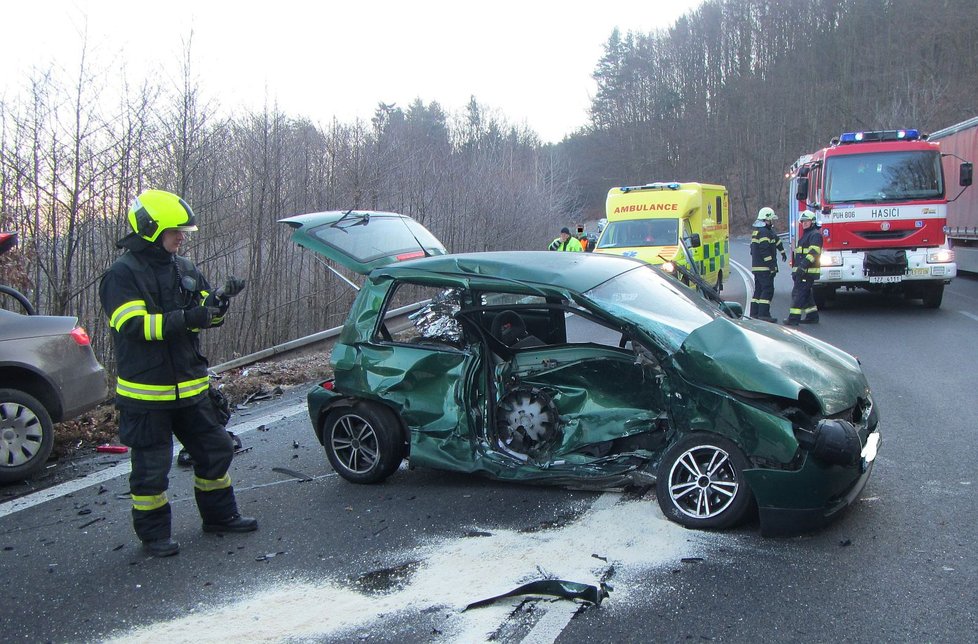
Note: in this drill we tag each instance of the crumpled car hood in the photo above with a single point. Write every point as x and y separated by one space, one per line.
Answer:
757 356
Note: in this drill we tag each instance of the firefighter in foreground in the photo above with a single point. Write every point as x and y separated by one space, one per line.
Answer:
807 268
566 242
157 303
764 244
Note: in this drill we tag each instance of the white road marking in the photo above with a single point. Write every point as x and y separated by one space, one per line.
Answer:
549 627
970 315
58 491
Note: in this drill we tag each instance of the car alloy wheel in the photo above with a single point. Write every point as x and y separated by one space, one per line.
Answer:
26 435
354 442
363 443
701 484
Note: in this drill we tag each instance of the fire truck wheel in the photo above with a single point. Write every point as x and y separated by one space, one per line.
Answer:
823 297
933 295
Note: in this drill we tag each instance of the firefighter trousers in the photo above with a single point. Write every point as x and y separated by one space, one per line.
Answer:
760 303
149 435
803 299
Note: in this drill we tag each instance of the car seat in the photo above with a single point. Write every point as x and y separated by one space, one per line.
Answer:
510 329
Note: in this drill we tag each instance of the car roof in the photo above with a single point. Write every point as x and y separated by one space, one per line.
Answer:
564 270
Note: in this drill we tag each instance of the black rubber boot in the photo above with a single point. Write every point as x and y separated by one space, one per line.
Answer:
161 547
234 523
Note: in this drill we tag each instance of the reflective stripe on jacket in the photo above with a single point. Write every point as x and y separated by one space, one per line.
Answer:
809 251
764 246
159 363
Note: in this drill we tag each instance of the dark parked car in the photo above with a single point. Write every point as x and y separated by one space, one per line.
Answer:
48 373
584 370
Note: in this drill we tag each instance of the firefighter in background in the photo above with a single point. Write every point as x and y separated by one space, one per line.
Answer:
157 303
566 242
805 260
764 246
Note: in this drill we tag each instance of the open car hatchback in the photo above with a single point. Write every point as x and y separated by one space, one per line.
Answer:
592 371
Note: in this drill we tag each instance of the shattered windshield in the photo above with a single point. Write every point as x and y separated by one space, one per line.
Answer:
663 307
884 176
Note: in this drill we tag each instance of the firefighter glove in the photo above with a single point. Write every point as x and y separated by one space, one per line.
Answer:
232 287
784 257
201 317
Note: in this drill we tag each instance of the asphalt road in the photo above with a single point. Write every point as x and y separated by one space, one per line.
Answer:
396 562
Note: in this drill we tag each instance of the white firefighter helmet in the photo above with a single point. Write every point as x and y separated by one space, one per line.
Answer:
766 214
807 215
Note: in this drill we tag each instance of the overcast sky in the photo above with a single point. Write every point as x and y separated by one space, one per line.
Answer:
530 60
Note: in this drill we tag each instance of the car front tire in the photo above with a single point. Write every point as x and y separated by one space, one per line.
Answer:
363 443
700 483
26 435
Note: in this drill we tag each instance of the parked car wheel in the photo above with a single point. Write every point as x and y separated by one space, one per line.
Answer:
700 483
363 443
26 435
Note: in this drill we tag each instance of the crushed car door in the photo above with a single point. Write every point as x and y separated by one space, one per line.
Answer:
575 400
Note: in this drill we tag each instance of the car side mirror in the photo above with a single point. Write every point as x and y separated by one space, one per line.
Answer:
801 189
967 172
694 240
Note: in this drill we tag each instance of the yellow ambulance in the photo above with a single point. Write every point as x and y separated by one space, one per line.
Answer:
649 222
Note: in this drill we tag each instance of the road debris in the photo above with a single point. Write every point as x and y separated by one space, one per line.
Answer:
554 587
112 449
299 475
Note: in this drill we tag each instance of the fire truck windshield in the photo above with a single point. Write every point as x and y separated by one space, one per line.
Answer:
884 176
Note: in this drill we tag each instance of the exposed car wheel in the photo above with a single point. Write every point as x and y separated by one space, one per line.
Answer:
933 295
700 483
363 443
26 435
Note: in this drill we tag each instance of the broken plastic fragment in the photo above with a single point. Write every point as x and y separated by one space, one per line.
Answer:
292 473
112 449
554 587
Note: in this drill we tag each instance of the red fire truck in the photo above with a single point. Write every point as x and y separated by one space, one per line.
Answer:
880 199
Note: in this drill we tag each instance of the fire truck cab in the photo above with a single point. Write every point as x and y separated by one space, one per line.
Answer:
881 203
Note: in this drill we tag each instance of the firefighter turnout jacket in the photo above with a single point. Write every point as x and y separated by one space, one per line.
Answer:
764 248
808 253
145 293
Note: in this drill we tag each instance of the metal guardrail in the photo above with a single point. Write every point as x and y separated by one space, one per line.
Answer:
301 343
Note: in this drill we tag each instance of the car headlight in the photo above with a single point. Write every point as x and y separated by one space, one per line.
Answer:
830 259
836 442
940 256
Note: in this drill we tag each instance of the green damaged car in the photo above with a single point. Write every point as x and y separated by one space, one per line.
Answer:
591 371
